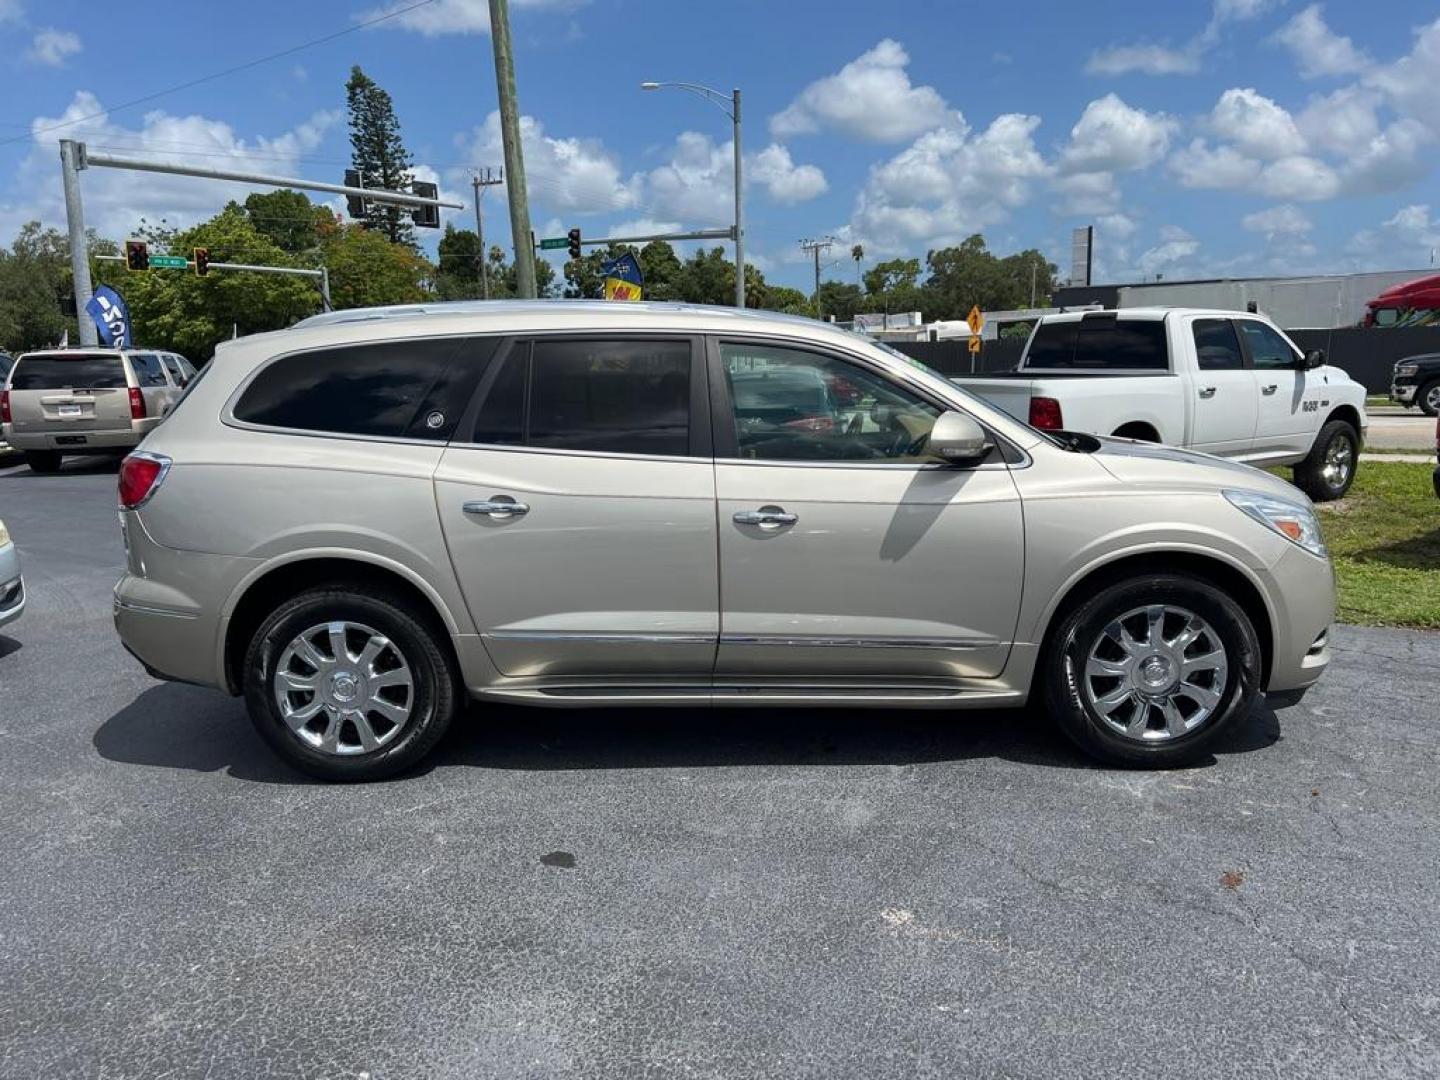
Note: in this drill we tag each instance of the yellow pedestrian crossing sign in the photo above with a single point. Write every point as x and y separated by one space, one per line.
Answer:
975 320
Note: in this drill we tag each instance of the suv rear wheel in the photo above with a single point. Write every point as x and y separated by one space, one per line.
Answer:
43 461
1151 671
348 685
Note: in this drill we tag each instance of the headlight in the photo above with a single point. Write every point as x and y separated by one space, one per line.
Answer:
4 534
1406 369
1295 522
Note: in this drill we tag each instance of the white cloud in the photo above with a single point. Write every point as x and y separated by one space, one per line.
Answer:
1256 125
450 16
53 47
568 175
1339 122
947 184
1409 83
11 11
696 185
1283 220
643 226
1411 236
785 181
869 98
1112 136
1318 50
1175 249
1144 59
115 200
1148 58
1119 226
1390 160
1083 194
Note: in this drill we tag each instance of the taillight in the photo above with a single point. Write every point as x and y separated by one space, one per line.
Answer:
1045 414
137 404
140 477
4 406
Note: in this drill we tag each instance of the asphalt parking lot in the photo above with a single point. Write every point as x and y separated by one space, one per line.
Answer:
701 893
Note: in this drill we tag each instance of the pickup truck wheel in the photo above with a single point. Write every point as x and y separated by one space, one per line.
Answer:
348 686
1329 469
1428 398
1151 671
43 461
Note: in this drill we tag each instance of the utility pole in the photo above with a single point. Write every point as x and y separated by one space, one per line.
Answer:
815 247
480 181
514 158
72 159
1032 284
739 211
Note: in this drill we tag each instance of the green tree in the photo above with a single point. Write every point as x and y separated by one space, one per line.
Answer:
378 154
857 252
457 275
661 268
892 286
790 301
707 277
367 270
288 218
177 310
34 280
585 276
969 274
841 300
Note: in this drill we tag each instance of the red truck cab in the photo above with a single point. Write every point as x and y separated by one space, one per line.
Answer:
1411 303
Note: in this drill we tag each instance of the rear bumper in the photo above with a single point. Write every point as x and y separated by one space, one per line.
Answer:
170 642
77 442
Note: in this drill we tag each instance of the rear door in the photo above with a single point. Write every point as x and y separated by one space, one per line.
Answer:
578 503
1284 424
61 393
1223 389
155 386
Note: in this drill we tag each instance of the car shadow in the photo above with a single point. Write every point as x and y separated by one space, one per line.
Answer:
1415 553
8 645
182 727
79 465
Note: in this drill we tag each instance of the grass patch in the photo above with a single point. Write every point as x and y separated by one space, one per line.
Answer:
1423 451
1384 538
1378 399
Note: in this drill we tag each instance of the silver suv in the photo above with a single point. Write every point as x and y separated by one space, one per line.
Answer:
65 401
359 522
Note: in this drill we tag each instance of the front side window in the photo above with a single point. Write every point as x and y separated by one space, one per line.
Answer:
795 405
172 365
1216 345
1267 348
411 389
149 372
604 396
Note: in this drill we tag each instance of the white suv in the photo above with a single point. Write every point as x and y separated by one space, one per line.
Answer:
360 521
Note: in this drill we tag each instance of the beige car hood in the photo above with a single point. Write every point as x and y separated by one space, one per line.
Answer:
1150 464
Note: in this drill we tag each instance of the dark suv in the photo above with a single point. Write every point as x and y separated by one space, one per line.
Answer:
1417 382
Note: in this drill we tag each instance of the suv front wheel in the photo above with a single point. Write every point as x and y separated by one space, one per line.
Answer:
1151 671
348 685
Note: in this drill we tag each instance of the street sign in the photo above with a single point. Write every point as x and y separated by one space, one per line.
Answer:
975 344
169 262
554 243
975 320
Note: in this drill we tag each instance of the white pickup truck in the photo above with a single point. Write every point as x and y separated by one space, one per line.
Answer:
1222 382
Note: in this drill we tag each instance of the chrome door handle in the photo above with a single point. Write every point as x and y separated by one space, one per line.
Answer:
1207 392
767 517
501 506
1270 389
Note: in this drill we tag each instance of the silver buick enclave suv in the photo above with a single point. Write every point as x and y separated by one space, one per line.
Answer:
359 522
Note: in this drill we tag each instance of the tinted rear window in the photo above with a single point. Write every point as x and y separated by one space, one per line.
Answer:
1216 346
68 373
411 389
148 369
1100 343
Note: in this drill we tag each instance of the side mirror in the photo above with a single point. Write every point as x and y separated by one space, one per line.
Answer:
958 438
1313 359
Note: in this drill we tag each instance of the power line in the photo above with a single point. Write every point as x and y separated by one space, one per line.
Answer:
219 74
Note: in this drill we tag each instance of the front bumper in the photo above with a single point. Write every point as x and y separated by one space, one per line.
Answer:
1403 393
12 585
1303 590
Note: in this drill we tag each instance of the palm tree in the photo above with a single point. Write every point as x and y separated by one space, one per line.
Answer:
857 253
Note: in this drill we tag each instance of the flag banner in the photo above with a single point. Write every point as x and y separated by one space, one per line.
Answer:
112 317
623 279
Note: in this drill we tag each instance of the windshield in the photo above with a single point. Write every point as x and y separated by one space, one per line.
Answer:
80 371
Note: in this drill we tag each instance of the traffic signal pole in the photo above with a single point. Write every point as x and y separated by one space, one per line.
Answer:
79 248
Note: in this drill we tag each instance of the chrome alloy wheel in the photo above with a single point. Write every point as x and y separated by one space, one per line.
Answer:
1155 673
344 688
1339 460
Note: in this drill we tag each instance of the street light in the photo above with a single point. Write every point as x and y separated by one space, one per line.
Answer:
730 106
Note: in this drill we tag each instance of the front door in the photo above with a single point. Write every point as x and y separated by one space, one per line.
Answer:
845 548
1224 391
1285 425
579 510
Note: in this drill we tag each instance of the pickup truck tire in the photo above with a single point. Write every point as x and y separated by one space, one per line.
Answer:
1428 398
43 461
1133 689
1329 469
368 714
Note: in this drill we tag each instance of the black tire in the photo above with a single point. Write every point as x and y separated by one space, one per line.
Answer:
437 691
43 461
1310 474
1068 649
1423 399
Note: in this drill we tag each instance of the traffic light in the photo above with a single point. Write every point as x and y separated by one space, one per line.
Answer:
574 235
202 261
137 255
355 205
425 217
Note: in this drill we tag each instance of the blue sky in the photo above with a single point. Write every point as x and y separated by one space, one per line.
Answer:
1230 137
